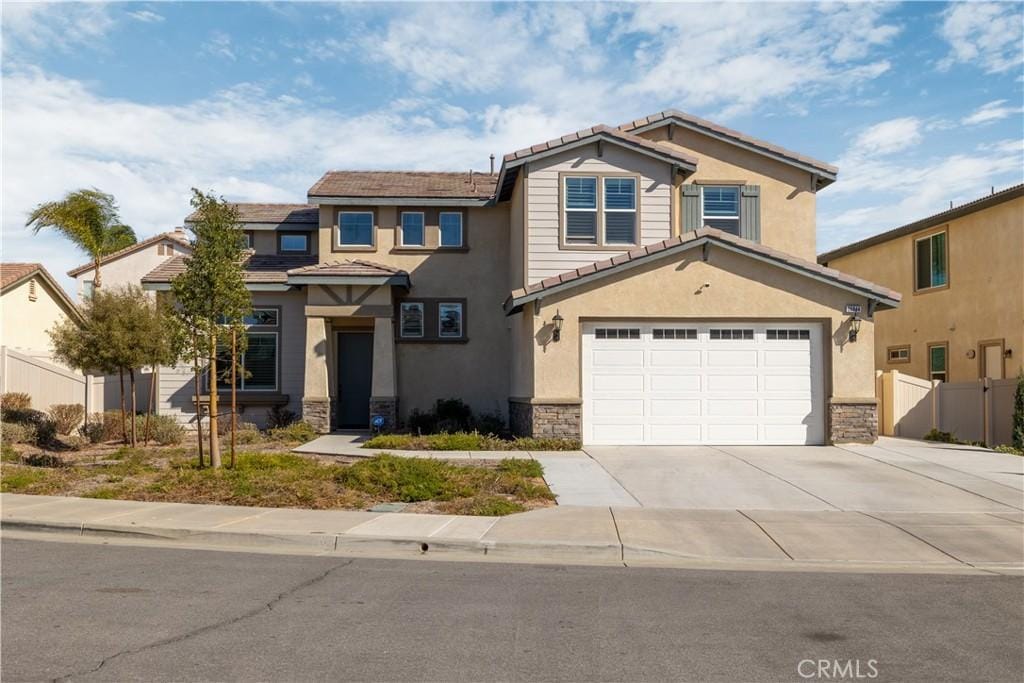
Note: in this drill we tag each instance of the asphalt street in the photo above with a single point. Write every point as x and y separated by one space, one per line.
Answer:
80 611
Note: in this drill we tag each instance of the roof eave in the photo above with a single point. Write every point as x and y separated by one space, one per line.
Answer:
591 139
398 201
393 280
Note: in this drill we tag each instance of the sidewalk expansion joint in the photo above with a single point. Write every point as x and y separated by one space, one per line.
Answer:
772 474
618 536
765 532
927 543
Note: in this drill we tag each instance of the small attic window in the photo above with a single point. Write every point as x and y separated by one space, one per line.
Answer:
32 294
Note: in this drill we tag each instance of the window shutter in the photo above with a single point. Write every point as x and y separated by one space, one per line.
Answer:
691 207
750 213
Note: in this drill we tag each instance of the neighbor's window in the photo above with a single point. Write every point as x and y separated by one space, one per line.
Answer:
412 229
246 240
293 242
355 229
411 320
258 364
931 267
899 354
937 362
449 320
580 210
451 228
721 208
32 295
88 289
620 210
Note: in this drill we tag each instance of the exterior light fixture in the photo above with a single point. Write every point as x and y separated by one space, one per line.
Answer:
854 327
557 321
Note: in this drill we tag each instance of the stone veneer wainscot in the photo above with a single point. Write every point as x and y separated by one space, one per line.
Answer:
852 420
555 420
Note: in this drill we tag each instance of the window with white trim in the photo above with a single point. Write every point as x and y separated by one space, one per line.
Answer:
580 205
293 242
899 354
413 229
355 229
450 223
937 354
931 266
619 210
731 334
410 323
449 320
720 207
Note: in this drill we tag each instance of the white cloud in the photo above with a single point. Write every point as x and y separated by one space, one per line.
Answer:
989 112
888 137
989 35
146 16
59 26
220 45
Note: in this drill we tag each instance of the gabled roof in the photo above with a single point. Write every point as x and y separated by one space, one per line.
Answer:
674 245
349 271
273 213
280 271
176 236
13 274
986 202
615 136
259 269
826 172
358 187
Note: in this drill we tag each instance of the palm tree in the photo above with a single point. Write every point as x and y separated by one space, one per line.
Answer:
89 219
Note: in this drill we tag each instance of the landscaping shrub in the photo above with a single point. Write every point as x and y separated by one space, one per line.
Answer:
942 437
1010 450
14 432
247 433
93 430
74 442
279 416
14 400
453 415
1018 413
8 454
486 506
164 429
296 432
402 479
522 468
43 460
67 416
490 423
467 441
110 425
545 443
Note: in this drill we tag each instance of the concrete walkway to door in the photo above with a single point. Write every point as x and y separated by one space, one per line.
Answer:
893 475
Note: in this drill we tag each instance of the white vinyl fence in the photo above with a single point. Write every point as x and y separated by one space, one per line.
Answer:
48 384
981 410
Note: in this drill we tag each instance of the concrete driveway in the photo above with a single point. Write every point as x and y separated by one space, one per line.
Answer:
893 475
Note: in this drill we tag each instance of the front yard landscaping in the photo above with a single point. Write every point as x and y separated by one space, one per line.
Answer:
468 441
272 478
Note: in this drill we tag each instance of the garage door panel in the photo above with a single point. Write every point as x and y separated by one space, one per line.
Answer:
724 383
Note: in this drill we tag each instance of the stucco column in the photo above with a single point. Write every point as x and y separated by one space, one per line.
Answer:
316 401
384 391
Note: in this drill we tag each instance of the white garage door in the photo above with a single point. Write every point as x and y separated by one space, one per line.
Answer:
702 383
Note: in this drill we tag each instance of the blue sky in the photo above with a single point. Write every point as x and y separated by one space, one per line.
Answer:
919 104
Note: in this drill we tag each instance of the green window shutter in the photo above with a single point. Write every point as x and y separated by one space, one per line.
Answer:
691 207
750 213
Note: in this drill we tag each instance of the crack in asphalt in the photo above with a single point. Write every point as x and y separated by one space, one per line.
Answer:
188 635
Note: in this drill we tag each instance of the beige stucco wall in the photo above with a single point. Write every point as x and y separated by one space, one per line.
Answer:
984 300
25 323
129 269
265 241
741 288
788 200
476 370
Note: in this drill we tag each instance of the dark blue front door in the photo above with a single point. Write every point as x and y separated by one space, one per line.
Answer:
355 376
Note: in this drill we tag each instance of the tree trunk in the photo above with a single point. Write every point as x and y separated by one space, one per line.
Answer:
149 405
131 377
96 280
214 437
199 405
124 420
234 392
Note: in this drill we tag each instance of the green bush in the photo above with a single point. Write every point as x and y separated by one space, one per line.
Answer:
279 416
67 416
942 437
296 432
247 433
15 432
1009 449
453 415
485 506
8 454
403 479
545 443
93 430
523 468
43 460
164 429
1018 413
467 441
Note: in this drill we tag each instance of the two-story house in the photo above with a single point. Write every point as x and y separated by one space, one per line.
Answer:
652 283
127 266
965 318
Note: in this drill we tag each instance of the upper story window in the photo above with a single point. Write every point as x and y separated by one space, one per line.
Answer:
580 209
620 211
88 289
355 229
931 267
246 239
413 229
293 243
451 228
720 207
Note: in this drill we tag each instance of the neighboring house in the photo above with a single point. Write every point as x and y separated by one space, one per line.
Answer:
658 284
127 266
965 318
31 304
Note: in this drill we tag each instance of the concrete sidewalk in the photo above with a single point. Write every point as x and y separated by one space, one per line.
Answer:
732 539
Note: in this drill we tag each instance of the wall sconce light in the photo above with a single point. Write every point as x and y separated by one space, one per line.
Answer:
556 334
971 354
1008 353
854 327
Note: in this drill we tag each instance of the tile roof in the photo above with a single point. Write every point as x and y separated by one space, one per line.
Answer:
870 289
273 213
15 273
405 184
698 122
174 236
949 214
348 267
259 268
618 134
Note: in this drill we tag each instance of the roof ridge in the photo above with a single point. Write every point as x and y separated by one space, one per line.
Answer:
173 235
